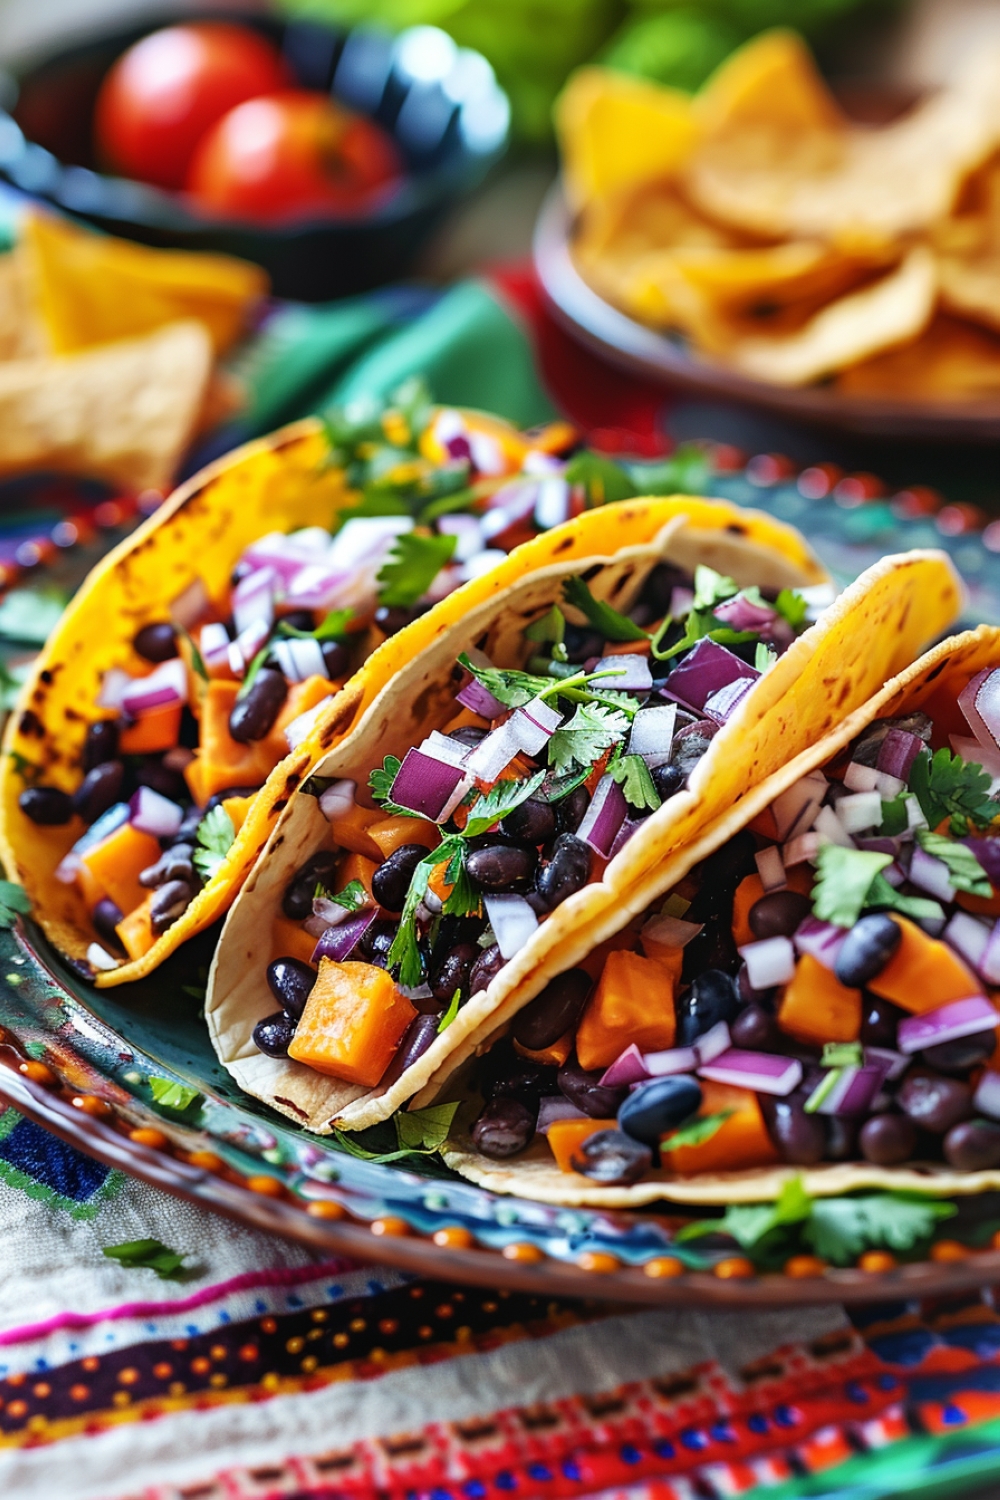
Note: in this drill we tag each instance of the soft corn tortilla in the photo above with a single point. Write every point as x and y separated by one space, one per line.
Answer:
280 482
930 684
830 670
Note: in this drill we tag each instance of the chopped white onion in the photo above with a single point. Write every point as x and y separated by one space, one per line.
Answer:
712 1043
253 598
793 812
155 814
831 830
670 932
534 725
68 868
653 733
771 869
365 540
493 754
888 786
801 850
114 684
213 644
914 814
631 672
513 922
986 1099
989 965
859 811
439 747
931 875
467 530
300 658
664 1064
484 562
554 503
337 800
969 937
859 778
165 686
317 586
99 958
769 962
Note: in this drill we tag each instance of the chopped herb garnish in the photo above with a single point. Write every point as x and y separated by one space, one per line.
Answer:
964 870
592 730
632 775
883 896
843 880
697 1132
147 1255
498 802
250 676
380 783
333 628
792 608
712 588
764 657
551 627
612 625
843 1055
405 950
601 479
894 817
947 786
412 566
463 900
511 688
216 836
351 898
197 660
840 1229
451 1012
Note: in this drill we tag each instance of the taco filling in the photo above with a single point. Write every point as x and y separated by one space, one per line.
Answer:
438 873
820 989
209 699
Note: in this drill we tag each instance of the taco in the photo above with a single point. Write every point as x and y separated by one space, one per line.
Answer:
818 997
514 783
169 717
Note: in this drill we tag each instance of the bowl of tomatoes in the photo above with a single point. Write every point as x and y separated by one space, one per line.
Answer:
326 155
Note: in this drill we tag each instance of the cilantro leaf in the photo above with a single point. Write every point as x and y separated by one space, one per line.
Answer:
711 588
894 816
593 729
964 869
498 802
14 902
250 675
511 688
216 836
946 786
380 784
695 1133
699 623
405 951
425 1130
843 880
550 627
197 660
352 897
601 478
750 1223
555 788
792 608
632 775
612 625
146 1255
333 628
839 1229
451 1012
173 1095
412 566
463 900
764 657
883 896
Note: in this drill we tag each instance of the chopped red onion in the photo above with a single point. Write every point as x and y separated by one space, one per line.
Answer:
338 943
467 530
99 958
946 1024
652 734
821 940
479 700
801 850
713 1043
509 509
794 810
723 704
859 778
888 786
970 939
853 1091
494 753
628 1067
764 1072
681 603
986 1099
989 964
439 747
893 874
831 830
365 542
213 645
668 1062
332 914
152 813
987 851
604 817
534 725
671 932
300 658
337 800
513 922
897 753
553 1107
114 684
931 875
771 869
300 728
706 668
554 504
445 581
769 962
742 614
253 599
880 845
320 587
189 605
166 685
286 555
859 811
625 832
68 868
979 701
893 1064
631 673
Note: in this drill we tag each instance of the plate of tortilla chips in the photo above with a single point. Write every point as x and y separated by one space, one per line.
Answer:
754 242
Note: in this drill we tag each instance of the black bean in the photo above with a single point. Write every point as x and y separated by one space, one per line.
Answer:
376 940
390 620
709 1000
612 1158
888 1140
841 1137
99 790
170 902
714 947
291 983
505 1127
973 1146
105 918
468 734
571 808
417 1037
880 1021
718 877
581 643
46 805
800 1138
505 1071
566 872
391 881
554 1012
297 902
655 1108
867 949
934 1102
336 659
156 642
586 1091
778 914
485 969
160 778
253 716
452 970
756 1029
501 867
175 863
668 781
299 619
534 822
961 1055
101 743
190 823
274 1035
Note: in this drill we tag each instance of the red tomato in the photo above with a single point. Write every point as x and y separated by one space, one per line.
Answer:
289 155
163 94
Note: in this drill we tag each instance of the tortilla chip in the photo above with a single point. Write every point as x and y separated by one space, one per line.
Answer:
950 361
773 81
280 482
890 311
93 288
616 131
122 412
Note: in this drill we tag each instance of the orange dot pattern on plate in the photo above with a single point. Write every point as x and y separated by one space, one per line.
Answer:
734 1268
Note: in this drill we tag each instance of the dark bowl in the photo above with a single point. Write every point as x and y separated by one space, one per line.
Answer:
441 104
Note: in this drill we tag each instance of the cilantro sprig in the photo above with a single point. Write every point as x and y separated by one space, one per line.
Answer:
612 625
412 566
351 898
946 786
593 729
632 775
502 799
380 783
419 1132
216 836
964 870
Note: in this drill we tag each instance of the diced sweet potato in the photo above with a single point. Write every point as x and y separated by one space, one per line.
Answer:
393 832
355 867
983 906
115 863
923 973
748 893
633 1002
740 1142
552 1056
350 831
302 696
353 1022
155 731
816 1007
565 1137
136 931
290 940
593 963
224 761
